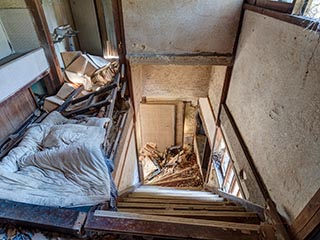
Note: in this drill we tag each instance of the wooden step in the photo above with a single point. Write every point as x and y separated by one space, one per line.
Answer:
242 217
177 201
173 196
171 227
171 188
176 192
166 205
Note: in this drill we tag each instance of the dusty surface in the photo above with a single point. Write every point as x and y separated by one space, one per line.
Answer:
215 87
180 26
274 98
175 82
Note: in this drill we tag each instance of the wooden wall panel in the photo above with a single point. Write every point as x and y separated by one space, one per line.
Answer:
14 111
158 124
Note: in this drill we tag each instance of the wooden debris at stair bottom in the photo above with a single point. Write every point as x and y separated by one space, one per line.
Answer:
176 167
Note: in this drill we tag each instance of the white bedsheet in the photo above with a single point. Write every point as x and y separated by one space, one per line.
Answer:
59 162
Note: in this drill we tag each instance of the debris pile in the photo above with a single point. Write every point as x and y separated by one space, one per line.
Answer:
89 70
89 78
176 167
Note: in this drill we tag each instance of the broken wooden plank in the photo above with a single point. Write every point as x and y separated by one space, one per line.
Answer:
47 218
172 227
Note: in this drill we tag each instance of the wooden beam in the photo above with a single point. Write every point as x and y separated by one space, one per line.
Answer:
308 220
47 218
181 59
249 206
122 51
285 17
44 36
102 25
171 227
277 6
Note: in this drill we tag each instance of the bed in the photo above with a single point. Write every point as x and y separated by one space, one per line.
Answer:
60 162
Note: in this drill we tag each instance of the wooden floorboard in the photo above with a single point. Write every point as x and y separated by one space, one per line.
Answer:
171 227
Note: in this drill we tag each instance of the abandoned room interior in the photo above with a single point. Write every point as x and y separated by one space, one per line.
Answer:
159 119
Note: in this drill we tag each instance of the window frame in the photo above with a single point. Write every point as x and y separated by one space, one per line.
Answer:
283 7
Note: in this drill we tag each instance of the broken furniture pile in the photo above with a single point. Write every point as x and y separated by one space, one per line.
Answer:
176 167
88 74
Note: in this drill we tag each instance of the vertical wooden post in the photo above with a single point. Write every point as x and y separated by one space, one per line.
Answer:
44 36
119 28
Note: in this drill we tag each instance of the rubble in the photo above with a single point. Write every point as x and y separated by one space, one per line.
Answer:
176 167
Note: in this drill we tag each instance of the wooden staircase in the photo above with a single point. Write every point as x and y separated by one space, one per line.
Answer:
177 214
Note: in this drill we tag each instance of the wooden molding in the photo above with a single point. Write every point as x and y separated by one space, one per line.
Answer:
308 220
181 59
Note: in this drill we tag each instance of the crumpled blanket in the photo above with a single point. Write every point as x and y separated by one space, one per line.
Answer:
59 162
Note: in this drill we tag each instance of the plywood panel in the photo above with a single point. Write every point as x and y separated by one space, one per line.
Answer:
215 87
158 124
85 20
207 119
130 173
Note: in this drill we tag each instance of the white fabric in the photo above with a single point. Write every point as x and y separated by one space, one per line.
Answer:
58 163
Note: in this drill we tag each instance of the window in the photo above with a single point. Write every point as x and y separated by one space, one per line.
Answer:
310 9
222 172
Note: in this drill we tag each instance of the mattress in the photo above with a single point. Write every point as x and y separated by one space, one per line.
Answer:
60 162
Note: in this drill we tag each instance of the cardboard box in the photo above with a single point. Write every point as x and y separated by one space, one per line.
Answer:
52 103
65 90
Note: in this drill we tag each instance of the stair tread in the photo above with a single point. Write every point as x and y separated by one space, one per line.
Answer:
189 212
173 196
166 205
170 227
176 201
176 193
189 221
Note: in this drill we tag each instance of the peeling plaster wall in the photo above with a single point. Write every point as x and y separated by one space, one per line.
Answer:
217 77
275 101
180 26
175 82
